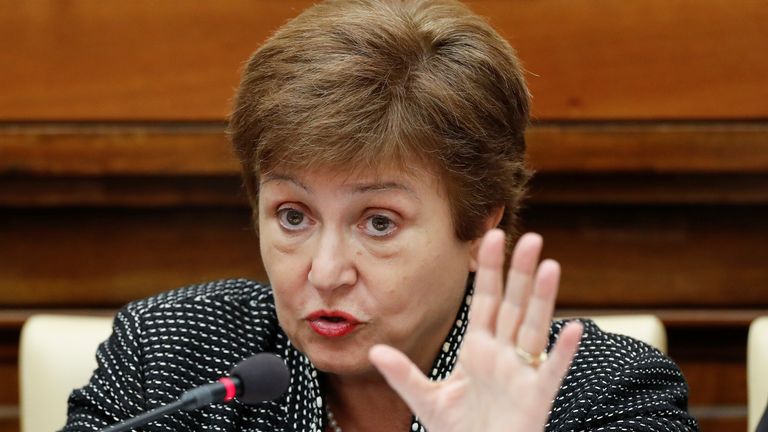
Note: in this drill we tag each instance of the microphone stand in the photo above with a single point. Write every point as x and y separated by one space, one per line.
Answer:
190 400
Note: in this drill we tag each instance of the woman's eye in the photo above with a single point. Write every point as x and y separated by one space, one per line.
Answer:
292 219
379 225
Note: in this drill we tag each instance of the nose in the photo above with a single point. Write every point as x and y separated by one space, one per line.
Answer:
332 266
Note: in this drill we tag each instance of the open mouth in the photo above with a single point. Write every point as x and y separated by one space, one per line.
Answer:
332 324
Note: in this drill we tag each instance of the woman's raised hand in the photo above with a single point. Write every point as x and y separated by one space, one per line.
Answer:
503 379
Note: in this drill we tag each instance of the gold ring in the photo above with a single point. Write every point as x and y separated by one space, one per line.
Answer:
530 359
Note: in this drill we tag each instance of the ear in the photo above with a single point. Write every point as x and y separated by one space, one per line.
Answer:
491 221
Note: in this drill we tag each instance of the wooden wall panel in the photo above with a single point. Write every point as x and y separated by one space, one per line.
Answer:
124 191
670 189
640 59
9 424
92 60
87 59
649 147
74 258
100 150
657 256
713 360
199 149
9 381
227 191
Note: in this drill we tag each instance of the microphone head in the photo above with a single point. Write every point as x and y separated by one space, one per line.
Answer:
263 377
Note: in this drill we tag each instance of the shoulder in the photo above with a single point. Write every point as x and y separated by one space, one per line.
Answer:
616 381
217 302
610 350
229 291
164 345
221 322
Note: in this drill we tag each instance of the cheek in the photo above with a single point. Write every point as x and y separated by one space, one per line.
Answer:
422 282
286 274
290 304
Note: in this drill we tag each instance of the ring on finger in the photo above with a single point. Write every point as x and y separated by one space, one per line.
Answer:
531 359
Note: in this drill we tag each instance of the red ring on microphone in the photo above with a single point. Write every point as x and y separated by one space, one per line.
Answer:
230 387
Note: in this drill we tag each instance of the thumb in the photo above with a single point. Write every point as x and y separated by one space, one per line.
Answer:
405 378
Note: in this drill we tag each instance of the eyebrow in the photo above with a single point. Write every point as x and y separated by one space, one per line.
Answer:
356 188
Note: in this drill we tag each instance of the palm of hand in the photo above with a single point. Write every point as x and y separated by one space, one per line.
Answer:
493 388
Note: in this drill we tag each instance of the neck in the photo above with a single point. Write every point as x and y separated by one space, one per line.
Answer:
366 404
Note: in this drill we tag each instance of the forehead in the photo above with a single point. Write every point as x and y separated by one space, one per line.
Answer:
416 182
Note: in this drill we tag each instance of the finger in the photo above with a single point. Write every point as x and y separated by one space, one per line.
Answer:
525 258
534 331
556 366
405 378
485 301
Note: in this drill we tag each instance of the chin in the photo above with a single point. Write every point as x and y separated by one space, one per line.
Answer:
342 362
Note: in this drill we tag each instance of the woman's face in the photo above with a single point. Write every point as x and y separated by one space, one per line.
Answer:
360 260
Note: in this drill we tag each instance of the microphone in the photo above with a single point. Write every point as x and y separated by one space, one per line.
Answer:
258 378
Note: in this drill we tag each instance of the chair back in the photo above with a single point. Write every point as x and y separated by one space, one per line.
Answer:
56 355
644 327
757 371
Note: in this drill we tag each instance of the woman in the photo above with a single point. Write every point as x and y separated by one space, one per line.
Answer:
383 153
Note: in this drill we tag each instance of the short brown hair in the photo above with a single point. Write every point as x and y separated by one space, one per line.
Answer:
368 83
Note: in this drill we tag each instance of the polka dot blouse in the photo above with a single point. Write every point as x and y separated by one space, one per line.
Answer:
167 344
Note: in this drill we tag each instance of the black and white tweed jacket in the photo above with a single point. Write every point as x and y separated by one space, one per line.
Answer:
167 344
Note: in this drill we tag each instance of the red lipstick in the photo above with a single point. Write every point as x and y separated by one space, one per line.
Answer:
332 324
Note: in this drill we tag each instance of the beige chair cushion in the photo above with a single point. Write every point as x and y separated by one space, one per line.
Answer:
56 356
647 328
757 370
